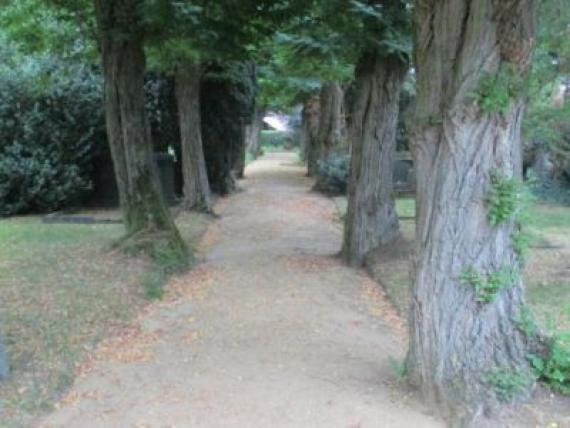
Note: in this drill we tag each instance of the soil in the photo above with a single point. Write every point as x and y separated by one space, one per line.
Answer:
269 330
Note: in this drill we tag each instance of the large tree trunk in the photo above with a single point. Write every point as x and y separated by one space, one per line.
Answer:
371 218
459 343
227 106
197 194
147 220
309 133
331 120
253 133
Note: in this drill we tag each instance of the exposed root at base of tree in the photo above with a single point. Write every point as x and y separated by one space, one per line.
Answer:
165 248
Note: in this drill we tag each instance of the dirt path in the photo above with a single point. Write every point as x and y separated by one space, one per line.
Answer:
271 330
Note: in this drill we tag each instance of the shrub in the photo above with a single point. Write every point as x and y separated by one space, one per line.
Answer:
332 174
554 368
507 383
51 123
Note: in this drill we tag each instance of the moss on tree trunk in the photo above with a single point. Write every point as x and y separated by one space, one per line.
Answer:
149 225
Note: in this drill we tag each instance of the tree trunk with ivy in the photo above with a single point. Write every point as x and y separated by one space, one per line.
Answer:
371 219
309 132
467 352
197 195
149 225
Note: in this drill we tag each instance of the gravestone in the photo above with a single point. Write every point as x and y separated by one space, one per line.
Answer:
4 367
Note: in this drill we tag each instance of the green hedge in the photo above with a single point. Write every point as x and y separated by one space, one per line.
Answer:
51 122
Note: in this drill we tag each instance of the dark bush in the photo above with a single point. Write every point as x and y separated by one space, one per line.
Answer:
332 174
51 126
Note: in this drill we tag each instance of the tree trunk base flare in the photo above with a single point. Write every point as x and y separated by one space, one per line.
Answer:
371 219
467 351
227 106
197 194
144 210
167 250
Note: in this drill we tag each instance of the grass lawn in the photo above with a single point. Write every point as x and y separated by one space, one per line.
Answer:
63 288
547 275
548 270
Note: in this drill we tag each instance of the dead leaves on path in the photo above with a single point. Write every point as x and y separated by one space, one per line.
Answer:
132 344
210 238
311 263
310 206
381 307
193 285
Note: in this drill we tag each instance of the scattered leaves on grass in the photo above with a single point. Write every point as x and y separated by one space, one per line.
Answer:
127 345
211 237
73 398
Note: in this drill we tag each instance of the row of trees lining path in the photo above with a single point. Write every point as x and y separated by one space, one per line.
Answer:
260 334
464 141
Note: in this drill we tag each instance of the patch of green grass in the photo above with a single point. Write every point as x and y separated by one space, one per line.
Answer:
400 368
62 289
554 368
406 207
550 217
153 284
550 302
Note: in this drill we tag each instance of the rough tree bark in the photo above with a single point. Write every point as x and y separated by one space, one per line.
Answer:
227 106
371 219
331 119
147 220
456 342
197 195
309 133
